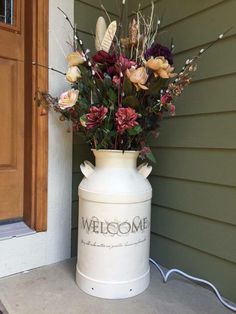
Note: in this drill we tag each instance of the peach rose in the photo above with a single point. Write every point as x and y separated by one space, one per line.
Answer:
75 58
160 67
68 99
138 77
73 74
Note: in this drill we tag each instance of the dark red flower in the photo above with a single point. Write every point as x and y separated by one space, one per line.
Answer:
125 119
107 61
104 58
111 64
95 116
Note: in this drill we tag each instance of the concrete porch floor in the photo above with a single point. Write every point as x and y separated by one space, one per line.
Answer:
52 289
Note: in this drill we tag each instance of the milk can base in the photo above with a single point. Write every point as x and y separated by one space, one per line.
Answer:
111 290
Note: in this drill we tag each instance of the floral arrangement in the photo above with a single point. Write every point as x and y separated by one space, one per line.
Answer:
118 96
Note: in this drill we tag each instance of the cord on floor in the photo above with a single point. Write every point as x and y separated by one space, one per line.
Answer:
180 272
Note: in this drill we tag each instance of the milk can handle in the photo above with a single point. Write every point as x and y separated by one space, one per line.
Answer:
87 168
144 169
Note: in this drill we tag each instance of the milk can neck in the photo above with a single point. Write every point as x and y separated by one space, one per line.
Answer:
115 159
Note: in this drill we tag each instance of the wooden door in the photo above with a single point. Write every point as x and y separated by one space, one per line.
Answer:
12 109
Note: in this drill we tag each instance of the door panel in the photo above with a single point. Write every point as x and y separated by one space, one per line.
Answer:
12 118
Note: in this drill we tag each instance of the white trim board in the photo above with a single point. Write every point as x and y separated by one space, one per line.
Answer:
16 229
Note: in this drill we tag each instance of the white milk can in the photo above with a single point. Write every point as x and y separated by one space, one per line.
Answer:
114 225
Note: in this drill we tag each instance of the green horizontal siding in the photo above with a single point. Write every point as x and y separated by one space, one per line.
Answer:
203 131
216 99
194 179
196 232
112 7
187 33
86 16
203 165
74 237
171 253
173 11
215 202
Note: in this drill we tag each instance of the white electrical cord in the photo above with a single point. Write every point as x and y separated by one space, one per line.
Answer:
174 270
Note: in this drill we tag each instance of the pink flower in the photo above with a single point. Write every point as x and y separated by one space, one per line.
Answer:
165 99
144 151
96 116
171 109
125 119
125 63
116 80
68 99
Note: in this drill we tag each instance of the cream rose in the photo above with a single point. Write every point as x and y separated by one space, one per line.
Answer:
68 98
138 77
160 67
73 74
75 58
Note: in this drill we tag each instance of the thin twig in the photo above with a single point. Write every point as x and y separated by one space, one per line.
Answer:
66 17
49 68
203 50
120 23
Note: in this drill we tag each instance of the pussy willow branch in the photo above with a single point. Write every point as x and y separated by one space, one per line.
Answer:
191 62
77 39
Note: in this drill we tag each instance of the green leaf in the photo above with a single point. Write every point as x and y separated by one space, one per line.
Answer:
83 120
135 130
107 81
131 101
112 133
83 104
83 69
151 157
112 95
105 102
100 85
106 130
128 87
156 85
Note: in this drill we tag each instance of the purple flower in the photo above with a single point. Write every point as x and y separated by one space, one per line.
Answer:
157 50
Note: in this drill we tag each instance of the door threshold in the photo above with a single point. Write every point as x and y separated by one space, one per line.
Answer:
15 230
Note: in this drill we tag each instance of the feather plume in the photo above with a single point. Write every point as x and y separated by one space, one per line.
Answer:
101 28
109 36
